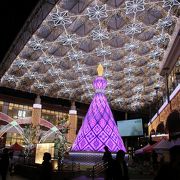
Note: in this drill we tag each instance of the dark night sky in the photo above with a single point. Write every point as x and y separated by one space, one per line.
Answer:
13 15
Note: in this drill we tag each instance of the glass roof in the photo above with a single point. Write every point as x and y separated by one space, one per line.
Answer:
129 38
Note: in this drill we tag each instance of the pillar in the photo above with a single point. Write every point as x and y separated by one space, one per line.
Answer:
36 112
5 107
73 123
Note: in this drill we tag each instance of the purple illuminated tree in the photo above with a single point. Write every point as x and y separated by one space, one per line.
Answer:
99 128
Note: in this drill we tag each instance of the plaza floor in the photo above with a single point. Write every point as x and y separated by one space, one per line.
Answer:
82 177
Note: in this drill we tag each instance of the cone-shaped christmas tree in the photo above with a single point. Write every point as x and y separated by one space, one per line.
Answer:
99 128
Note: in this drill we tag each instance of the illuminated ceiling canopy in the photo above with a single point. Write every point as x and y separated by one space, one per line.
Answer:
129 38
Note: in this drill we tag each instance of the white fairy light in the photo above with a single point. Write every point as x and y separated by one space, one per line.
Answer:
119 100
68 39
153 64
138 88
99 34
47 60
107 74
40 85
84 78
133 6
136 97
165 22
129 78
159 39
37 44
67 90
155 53
167 3
132 29
97 12
60 18
10 78
22 63
109 91
55 72
32 75
129 70
131 46
61 82
130 58
75 55
103 51
79 67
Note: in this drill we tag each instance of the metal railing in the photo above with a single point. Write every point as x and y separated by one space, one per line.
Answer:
98 168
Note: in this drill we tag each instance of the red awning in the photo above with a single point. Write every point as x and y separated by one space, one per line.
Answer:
16 147
150 148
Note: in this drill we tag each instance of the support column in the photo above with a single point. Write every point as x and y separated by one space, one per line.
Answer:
36 112
5 107
73 123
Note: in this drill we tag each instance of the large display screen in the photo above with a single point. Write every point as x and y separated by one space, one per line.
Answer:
132 127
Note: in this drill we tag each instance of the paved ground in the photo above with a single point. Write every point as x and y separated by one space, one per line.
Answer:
77 178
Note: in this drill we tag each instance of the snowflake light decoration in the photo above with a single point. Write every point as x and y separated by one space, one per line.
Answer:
106 63
131 46
37 44
136 97
130 58
79 67
132 29
75 55
165 22
55 72
159 39
129 78
68 39
40 85
32 75
103 51
22 63
61 82
107 74
135 105
60 18
10 78
153 64
119 100
133 6
155 53
129 70
138 88
167 3
97 12
109 91
84 78
47 60
99 34
67 90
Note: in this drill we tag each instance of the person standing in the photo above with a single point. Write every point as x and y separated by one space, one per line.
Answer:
108 163
120 167
4 163
46 167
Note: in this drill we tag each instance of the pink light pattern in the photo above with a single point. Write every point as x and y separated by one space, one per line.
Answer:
99 128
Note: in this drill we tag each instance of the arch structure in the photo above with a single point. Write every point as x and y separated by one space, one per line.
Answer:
16 123
160 119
